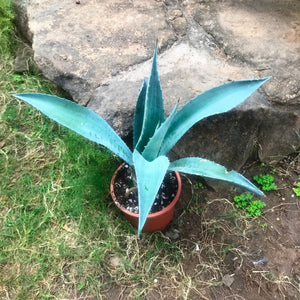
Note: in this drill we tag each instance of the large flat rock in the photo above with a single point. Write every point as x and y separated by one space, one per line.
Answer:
99 52
80 46
265 34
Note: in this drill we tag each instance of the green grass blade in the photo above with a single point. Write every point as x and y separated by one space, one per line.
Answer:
149 178
154 109
139 114
6 25
214 101
79 119
207 168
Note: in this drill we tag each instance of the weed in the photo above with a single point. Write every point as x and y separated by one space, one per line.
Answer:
297 189
198 185
264 226
213 230
270 276
266 181
243 200
252 207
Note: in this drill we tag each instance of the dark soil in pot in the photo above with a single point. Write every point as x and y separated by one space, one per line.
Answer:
127 196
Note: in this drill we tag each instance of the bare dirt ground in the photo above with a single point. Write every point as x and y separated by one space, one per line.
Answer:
227 255
237 257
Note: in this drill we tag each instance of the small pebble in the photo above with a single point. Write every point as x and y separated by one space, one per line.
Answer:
228 280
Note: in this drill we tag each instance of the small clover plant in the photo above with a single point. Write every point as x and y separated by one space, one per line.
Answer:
297 189
198 185
243 200
266 181
252 207
154 134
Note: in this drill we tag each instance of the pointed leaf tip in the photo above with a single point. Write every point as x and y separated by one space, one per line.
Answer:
79 119
206 168
154 108
217 100
149 178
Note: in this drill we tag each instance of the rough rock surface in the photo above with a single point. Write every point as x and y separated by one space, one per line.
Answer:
99 51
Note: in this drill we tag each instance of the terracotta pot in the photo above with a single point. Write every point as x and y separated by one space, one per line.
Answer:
156 221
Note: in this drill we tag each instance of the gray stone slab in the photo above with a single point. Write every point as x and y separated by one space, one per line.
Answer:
80 46
265 34
184 71
100 51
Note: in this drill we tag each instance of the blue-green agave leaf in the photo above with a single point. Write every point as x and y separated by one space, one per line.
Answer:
139 114
152 148
214 101
149 178
154 109
206 168
79 119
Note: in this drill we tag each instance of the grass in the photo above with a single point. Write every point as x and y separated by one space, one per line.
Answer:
6 16
58 227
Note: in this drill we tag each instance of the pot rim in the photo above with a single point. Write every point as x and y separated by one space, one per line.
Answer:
152 215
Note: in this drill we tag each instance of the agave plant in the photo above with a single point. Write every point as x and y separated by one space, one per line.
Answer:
153 133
